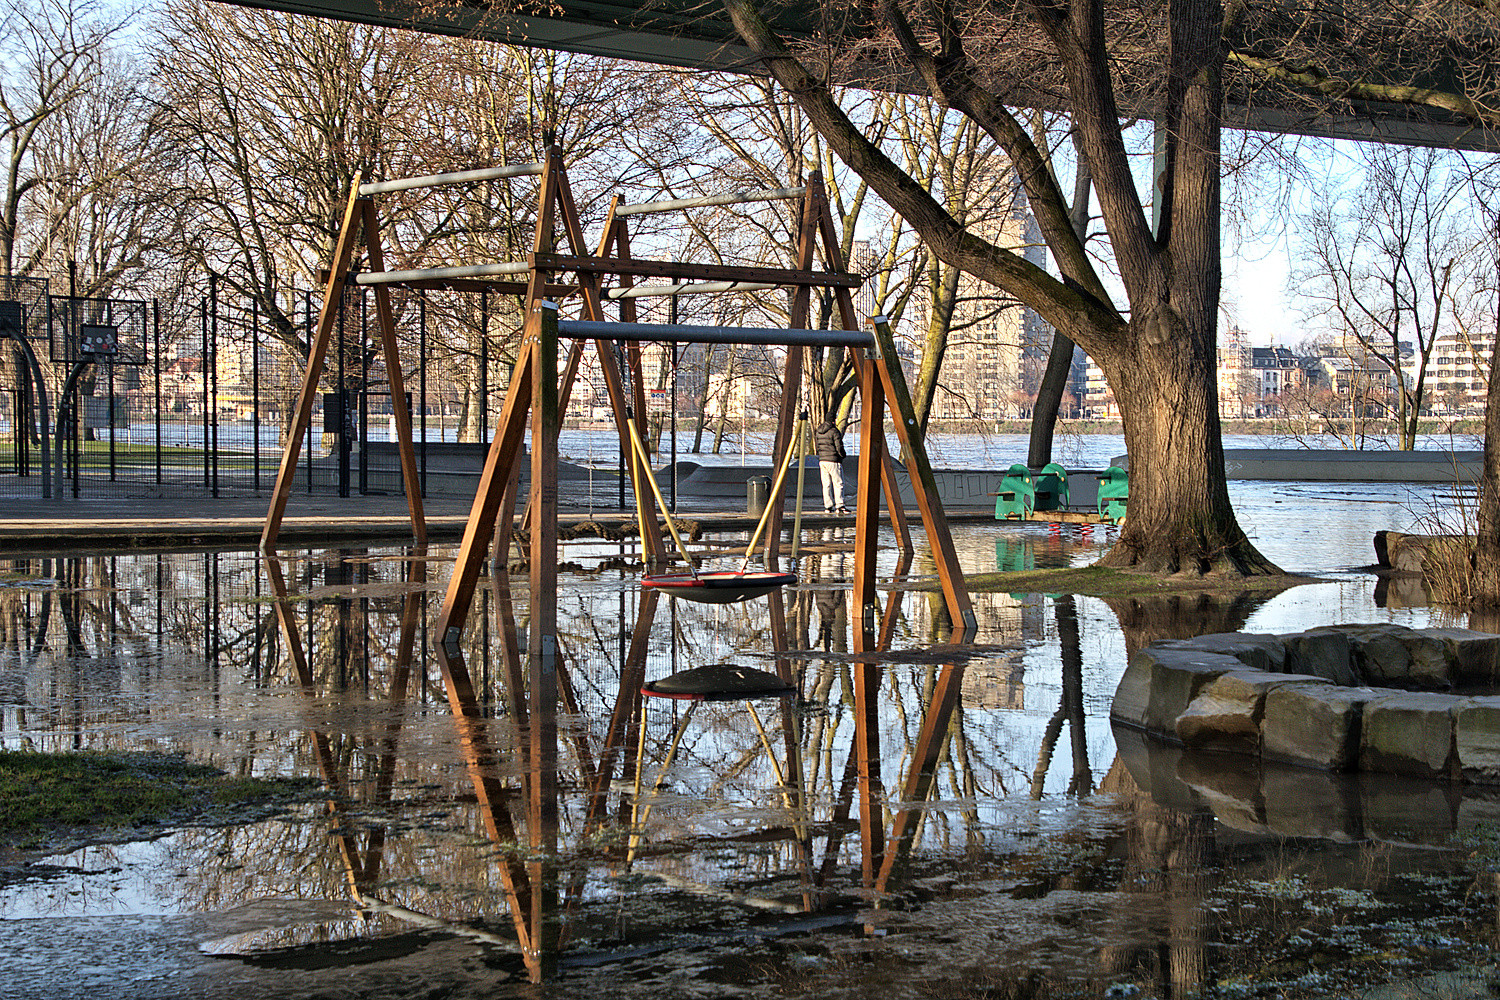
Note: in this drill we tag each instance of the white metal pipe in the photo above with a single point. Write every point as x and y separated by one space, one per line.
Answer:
456 177
686 288
732 198
439 273
661 333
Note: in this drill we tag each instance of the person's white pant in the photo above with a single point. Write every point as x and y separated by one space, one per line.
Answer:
833 484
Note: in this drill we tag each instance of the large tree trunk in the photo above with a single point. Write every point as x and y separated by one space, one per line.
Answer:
1049 397
1485 586
1178 517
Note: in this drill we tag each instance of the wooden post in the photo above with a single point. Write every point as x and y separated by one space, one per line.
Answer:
867 482
867 675
411 479
333 296
542 647
923 483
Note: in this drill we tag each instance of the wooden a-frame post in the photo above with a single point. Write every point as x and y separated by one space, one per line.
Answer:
359 216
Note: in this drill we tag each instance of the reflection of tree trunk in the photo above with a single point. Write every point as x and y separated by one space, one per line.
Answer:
1169 855
1072 693
1044 758
1070 708
1183 616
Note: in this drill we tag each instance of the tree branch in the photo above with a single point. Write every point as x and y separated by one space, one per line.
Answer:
1082 316
1319 82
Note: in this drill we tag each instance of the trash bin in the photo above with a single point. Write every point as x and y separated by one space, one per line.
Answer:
757 492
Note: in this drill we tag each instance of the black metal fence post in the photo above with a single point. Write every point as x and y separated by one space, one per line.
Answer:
255 394
203 366
213 376
156 374
484 367
109 373
307 314
422 376
363 431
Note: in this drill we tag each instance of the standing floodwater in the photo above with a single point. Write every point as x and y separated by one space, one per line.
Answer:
1015 838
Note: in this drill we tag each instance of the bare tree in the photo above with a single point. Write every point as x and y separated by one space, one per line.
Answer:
267 119
1378 267
58 55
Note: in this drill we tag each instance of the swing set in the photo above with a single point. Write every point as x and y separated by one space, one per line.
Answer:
539 391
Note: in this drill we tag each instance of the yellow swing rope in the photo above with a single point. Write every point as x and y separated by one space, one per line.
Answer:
774 498
661 501
801 483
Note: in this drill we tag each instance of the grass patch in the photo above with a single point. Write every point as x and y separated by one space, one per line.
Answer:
52 798
1101 581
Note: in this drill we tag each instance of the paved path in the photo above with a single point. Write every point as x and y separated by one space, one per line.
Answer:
35 526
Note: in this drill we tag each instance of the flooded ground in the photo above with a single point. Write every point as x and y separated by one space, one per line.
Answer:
983 833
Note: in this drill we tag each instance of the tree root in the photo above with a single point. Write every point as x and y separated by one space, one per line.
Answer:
1236 561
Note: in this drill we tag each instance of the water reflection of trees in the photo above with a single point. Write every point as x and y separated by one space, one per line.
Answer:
402 833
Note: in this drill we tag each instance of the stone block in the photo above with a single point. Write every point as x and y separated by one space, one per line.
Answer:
1322 652
1259 652
1383 542
1476 740
1431 661
1316 725
1407 553
1473 657
1300 802
1226 713
1397 656
1409 732
1380 655
1160 683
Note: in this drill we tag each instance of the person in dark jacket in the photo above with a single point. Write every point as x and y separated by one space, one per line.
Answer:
829 442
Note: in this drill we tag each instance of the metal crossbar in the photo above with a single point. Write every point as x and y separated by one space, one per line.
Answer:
438 273
663 333
732 198
455 177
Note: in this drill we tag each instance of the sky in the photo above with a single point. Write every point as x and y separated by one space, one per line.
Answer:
1254 295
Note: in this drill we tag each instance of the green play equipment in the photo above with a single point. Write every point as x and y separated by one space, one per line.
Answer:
1114 491
1017 497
